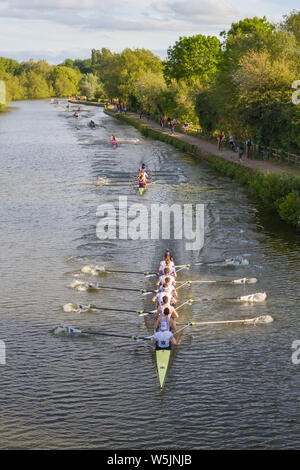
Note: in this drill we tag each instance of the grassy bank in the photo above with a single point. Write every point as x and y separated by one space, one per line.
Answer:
278 193
87 103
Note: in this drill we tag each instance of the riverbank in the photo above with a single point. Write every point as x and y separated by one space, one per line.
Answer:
277 188
88 103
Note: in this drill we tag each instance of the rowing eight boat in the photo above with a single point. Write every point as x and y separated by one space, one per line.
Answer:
162 363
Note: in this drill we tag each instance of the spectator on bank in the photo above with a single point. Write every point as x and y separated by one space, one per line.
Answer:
240 149
248 148
231 142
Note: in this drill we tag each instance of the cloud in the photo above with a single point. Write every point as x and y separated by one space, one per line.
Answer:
195 11
49 4
132 15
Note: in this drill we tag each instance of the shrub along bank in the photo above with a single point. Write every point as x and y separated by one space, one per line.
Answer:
277 192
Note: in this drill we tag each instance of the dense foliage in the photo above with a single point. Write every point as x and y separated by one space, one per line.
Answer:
242 85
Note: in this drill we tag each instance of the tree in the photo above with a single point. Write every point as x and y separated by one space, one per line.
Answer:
292 24
65 80
193 58
264 86
89 84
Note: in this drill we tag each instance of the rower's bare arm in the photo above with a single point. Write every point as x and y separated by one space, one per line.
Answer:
175 314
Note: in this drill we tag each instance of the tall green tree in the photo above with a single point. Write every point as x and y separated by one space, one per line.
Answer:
193 58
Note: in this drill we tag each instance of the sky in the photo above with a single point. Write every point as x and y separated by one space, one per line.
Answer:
58 29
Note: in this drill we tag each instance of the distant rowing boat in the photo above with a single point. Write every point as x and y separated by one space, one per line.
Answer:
142 189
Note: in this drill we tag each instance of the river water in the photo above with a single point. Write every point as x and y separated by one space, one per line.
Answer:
229 386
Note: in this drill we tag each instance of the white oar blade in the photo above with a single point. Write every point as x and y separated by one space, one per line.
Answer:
93 270
66 331
82 286
264 319
77 308
257 297
70 308
245 280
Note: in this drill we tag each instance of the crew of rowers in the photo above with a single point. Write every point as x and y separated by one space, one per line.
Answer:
142 176
165 299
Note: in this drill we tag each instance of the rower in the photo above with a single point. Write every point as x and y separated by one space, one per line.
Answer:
164 293
142 180
142 170
168 287
165 318
166 304
163 338
167 274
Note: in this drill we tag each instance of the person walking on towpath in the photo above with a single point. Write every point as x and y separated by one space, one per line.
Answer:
240 150
220 140
185 127
231 143
248 148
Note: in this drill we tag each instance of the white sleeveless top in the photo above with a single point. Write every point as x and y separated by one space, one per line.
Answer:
163 338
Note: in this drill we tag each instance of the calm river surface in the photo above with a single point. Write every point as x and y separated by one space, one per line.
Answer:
229 387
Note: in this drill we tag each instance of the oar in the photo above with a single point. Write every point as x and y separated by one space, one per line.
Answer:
68 330
96 286
77 307
145 273
149 273
245 280
187 302
200 263
256 297
135 337
260 319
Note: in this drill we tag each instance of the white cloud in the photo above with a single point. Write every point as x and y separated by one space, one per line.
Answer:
50 4
29 27
203 11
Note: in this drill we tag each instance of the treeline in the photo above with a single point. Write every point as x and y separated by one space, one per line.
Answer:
241 84
36 80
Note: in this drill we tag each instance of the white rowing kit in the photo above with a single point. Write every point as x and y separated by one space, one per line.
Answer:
163 338
161 295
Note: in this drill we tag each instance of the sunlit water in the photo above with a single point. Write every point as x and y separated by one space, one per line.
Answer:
229 387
